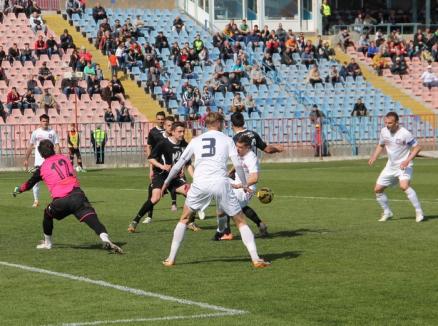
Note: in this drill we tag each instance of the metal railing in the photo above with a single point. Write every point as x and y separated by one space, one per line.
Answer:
405 28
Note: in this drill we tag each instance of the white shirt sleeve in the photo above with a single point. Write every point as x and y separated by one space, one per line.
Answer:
252 164
381 139
33 140
411 141
55 138
232 152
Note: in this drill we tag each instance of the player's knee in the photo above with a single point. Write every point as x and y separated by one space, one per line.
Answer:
239 220
378 189
404 186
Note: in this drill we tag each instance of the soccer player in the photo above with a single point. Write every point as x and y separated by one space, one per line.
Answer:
250 166
73 142
43 132
157 134
402 148
68 198
164 155
212 150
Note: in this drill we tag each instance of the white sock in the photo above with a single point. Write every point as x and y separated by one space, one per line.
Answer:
104 237
48 239
248 241
412 196
178 236
222 223
36 191
382 199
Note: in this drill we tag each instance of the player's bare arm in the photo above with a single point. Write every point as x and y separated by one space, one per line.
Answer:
414 152
375 155
271 149
26 157
57 149
164 167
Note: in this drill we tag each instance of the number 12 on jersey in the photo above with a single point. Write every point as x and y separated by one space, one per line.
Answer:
209 147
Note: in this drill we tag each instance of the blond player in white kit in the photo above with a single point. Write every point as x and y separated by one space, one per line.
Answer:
402 148
210 180
43 132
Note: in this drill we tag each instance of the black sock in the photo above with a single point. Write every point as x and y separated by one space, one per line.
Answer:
252 215
93 222
173 196
47 223
228 228
150 213
80 164
147 206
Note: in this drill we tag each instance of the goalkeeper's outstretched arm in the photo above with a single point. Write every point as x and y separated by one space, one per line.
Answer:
34 179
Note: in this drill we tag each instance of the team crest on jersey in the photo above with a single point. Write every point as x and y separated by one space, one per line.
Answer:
400 142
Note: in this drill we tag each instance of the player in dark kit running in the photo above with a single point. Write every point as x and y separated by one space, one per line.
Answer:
163 157
68 198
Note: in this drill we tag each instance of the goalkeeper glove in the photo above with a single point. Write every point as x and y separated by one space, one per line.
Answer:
16 191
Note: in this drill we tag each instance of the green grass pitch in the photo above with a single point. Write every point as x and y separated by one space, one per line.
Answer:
333 263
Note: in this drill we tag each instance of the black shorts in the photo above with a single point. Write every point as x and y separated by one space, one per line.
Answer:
75 203
158 182
74 151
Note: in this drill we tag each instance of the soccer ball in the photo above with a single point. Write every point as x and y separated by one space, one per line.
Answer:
265 195
78 169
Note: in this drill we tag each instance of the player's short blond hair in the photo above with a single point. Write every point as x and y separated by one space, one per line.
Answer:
213 117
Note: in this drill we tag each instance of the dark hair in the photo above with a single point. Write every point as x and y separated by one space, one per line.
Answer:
46 148
244 139
160 113
169 118
44 116
177 124
392 114
237 119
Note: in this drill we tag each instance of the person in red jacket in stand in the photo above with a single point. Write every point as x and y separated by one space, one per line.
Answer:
13 100
40 46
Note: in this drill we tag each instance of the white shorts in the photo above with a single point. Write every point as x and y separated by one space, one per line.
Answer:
201 193
391 176
243 197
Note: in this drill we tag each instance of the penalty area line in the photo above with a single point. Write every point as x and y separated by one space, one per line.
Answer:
137 292
429 201
139 320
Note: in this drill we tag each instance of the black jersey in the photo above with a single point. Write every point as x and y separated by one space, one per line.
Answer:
256 141
167 152
155 135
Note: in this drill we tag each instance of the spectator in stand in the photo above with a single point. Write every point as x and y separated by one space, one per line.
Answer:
2 54
167 93
14 53
187 99
251 106
52 46
93 86
287 57
204 59
399 67
86 55
3 75
207 97
272 45
27 55
257 77
28 102
307 57
234 83
201 119
314 77
123 115
113 64
89 70
73 7
117 86
99 13
3 113
161 41
70 86
109 117
345 40
333 76
178 24
198 44
379 64
47 101
187 72
153 79
218 67
32 7
32 85
13 100
364 43
372 50
16 7
238 105
40 47
66 41
429 79
108 95
359 23
37 24
359 110
326 52
45 74
268 63
343 72
353 69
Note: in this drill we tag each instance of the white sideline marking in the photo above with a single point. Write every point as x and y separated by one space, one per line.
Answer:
139 320
122 288
429 201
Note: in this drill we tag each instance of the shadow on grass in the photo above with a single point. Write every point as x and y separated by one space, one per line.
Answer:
88 246
295 233
426 218
269 257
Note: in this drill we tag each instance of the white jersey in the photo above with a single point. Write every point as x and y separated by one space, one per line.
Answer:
37 136
397 145
250 164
